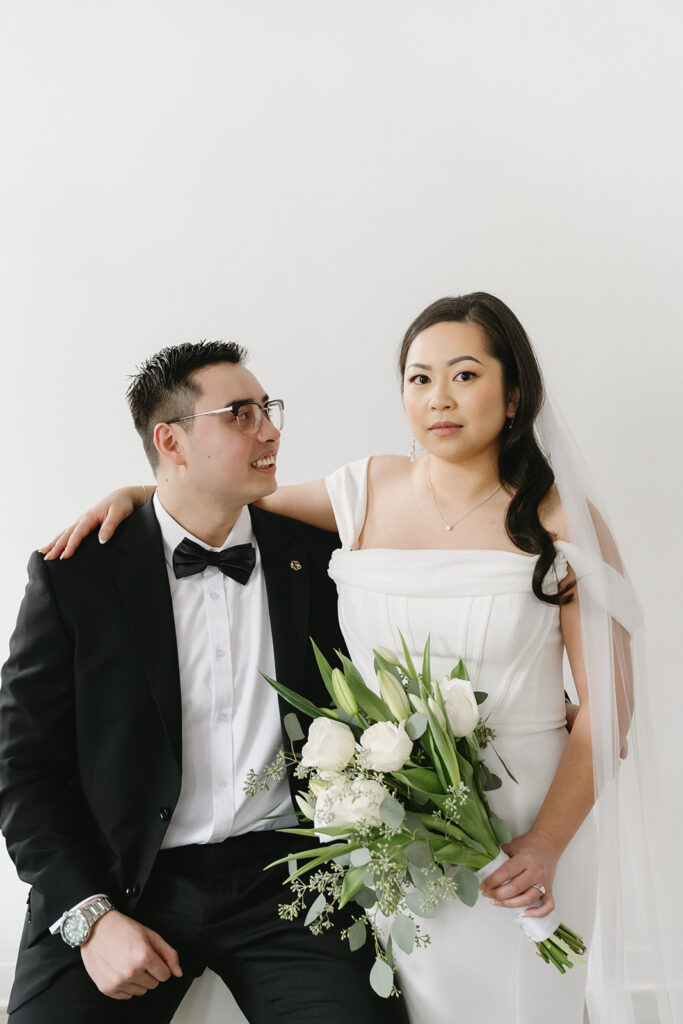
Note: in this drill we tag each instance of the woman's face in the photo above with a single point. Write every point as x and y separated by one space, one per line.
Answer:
453 392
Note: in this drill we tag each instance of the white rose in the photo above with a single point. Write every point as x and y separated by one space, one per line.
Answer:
386 747
461 705
347 803
331 745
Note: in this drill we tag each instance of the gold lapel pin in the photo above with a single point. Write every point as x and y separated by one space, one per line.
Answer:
295 565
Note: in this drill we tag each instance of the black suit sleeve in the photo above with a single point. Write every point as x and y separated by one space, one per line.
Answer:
43 815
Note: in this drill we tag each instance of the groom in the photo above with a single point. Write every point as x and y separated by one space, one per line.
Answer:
131 711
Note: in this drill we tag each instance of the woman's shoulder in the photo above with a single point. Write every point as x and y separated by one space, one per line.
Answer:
387 468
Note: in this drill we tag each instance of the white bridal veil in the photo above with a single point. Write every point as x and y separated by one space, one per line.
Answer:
629 800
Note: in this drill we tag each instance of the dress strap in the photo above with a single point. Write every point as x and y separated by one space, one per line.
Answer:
610 590
348 491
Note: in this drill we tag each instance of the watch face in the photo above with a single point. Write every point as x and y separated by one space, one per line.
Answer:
75 928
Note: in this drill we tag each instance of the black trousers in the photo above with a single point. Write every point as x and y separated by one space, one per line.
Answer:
218 907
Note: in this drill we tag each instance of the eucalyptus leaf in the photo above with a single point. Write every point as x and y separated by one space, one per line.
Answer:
422 877
353 881
419 854
365 898
468 887
416 725
292 866
414 823
343 861
501 829
293 727
392 812
414 902
360 857
487 780
369 878
316 908
403 932
357 935
382 978
480 696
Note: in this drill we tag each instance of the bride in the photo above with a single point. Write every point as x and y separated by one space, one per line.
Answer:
504 562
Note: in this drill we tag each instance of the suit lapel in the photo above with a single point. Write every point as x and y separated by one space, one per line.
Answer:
287 575
142 578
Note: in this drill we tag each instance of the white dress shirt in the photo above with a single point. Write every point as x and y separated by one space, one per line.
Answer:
230 714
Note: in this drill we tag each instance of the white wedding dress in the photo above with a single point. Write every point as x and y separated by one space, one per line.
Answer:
477 605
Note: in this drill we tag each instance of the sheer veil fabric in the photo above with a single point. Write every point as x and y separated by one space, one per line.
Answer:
629 807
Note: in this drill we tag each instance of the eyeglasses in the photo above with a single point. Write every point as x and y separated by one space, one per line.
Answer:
248 415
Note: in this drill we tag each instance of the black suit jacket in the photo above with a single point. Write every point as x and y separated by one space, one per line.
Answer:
90 713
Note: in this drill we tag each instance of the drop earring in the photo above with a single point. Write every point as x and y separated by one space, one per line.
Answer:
412 450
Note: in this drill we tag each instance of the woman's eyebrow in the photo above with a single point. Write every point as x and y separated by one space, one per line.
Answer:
451 362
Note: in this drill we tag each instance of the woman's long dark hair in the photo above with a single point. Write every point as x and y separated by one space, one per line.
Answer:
521 463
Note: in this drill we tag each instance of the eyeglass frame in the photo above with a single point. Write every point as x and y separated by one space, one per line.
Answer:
234 408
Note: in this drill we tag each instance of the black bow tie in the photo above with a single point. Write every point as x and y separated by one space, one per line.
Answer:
236 562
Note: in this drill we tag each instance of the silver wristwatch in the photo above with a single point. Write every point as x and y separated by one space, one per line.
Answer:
76 924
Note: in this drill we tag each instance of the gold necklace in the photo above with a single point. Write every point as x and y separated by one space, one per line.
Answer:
449 526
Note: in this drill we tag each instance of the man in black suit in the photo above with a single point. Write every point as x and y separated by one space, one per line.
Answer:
131 710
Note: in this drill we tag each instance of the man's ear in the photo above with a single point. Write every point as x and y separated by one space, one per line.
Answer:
168 443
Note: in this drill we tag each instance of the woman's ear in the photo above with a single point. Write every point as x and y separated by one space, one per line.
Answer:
513 402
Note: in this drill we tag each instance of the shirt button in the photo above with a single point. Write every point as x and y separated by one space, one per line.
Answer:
220 653
223 783
223 716
133 891
214 595
165 813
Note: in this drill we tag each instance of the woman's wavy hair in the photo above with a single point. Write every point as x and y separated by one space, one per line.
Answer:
521 463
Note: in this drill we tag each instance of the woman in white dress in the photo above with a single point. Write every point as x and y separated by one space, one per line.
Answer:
469 543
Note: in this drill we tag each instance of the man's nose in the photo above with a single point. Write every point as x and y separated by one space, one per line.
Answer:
268 431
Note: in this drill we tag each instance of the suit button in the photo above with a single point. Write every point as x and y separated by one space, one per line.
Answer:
133 891
165 813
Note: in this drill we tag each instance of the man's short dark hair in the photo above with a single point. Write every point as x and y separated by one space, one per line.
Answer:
163 388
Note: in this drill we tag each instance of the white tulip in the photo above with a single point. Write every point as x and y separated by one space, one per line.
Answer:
306 809
331 745
388 655
393 694
461 705
386 747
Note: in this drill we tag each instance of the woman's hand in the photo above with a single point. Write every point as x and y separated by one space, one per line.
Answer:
110 511
533 860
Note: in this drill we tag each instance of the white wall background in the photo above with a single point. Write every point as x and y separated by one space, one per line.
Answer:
304 178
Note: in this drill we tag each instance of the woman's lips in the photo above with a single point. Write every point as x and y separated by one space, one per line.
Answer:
445 429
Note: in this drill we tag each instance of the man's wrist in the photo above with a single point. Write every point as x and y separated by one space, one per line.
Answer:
76 924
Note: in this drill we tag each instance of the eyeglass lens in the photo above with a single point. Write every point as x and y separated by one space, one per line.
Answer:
249 417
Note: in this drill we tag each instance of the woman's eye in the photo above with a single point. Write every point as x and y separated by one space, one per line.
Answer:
465 376
419 378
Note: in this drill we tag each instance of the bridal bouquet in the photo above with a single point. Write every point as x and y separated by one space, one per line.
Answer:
395 790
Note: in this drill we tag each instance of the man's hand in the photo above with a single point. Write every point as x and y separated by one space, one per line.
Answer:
125 959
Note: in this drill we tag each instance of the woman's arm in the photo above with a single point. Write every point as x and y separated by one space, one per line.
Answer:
534 855
310 503
110 512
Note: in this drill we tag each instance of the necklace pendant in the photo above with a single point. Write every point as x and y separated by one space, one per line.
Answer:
449 526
